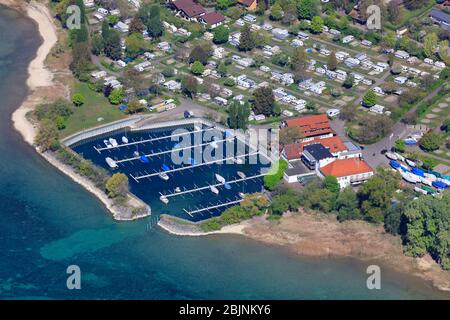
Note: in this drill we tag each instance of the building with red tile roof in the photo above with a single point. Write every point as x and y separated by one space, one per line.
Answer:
213 19
189 9
334 144
348 172
249 4
312 126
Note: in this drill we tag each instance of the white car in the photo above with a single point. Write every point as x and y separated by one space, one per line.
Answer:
333 113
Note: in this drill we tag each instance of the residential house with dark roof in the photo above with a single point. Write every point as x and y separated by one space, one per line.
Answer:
441 18
315 156
213 19
188 9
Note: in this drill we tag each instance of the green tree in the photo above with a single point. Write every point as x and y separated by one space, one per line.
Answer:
117 186
112 45
377 193
134 45
289 135
370 99
317 24
428 228
443 51
332 184
399 145
116 96
47 135
238 115
246 41
307 9
274 177
430 141
189 85
198 53
221 34
316 197
390 39
97 45
430 42
222 69
264 101
332 61
276 12
136 25
299 64
78 99
348 82
197 68
347 205
134 106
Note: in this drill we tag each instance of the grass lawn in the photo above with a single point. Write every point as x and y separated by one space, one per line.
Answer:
95 106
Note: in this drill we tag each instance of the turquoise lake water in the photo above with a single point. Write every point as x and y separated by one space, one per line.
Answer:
48 223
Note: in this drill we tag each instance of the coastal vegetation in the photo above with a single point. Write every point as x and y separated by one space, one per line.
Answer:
274 177
252 205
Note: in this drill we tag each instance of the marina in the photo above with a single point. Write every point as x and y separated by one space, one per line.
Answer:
209 180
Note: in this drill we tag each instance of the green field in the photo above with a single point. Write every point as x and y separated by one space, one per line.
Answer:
95 106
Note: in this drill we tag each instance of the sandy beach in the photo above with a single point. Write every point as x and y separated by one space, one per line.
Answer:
38 74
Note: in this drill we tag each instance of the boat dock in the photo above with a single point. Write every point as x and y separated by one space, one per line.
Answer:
220 205
191 167
99 150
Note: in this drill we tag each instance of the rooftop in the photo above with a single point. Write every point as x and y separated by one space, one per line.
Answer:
189 7
213 17
333 144
318 151
311 125
346 167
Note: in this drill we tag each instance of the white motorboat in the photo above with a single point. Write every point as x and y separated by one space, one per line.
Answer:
107 143
136 153
197 128
410 163
214 190
426 181
113 142
124 139
214 144
164 199
399 157
241 175
430 176
164 176
242 195
177 189
220 178
111 163
238 161
391 156
409 177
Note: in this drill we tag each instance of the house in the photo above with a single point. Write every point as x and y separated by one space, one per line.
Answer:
122 27
172 85
188 9
234 39
245 62
334 32
441 18
279 33
303 35
267 26
98 74
296 43
220 101
135 3
213 19
249 18
428 61
163 46
348 39
361 56
351 62
315 156
140 67
377 109
312 126
401 54
348 172
250 5
439 64
102 11
334 144
366 43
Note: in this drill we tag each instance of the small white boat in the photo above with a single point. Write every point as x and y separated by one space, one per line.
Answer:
220 178
197 128
241 175
177 189
430 176
426 181
238 161
164 199
409 177
107 144
136 153
410 163
399 157
164 176
113 142
214 190
242 195
417 189
124 139
111 163
391 156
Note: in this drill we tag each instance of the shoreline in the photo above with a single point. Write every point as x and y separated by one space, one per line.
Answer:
41 78
39 81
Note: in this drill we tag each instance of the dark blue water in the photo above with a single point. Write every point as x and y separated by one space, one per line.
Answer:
174 154
48 223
